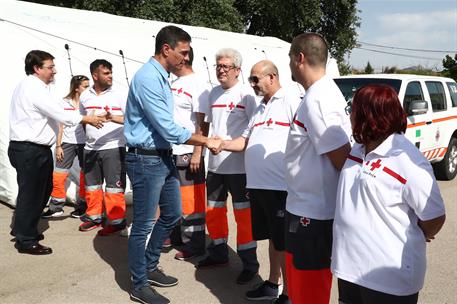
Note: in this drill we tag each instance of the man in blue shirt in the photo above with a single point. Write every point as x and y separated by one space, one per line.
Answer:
150 131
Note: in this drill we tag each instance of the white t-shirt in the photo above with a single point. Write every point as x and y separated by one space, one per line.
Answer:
73 134
35 114
268 131
229 115
377 242
111 136
190 95
320 126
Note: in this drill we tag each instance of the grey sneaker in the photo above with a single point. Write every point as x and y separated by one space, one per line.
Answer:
148 295
265 291
158 278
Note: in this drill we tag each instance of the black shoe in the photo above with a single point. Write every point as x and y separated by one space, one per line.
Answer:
148 295
266 291
77 213
160 279
245 276
50 213
209 262
36 249
283 299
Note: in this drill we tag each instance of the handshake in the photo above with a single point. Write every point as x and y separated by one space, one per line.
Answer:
215 144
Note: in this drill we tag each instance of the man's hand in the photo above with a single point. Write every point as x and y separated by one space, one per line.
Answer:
95 120
195 163
214 144
59 153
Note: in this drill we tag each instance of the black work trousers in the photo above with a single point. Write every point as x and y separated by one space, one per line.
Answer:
34 166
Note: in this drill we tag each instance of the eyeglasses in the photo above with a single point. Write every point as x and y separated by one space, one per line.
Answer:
348 108
224 67
51 67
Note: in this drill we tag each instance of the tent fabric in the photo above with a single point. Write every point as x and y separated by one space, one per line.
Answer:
92 35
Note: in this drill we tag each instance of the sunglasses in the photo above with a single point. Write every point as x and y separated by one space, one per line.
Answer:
255 79
80 77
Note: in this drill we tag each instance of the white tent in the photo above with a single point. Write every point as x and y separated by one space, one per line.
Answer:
91 35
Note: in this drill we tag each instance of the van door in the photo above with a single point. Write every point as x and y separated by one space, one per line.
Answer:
437 128
418 128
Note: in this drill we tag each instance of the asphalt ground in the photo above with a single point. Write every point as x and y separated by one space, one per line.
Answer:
86 268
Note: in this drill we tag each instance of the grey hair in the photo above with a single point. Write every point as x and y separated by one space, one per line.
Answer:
232 54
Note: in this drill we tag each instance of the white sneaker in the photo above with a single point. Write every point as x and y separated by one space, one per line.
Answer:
126 231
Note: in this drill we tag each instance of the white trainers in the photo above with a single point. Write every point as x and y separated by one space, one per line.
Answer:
126 231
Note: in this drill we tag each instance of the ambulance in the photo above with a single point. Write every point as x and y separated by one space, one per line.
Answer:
431 105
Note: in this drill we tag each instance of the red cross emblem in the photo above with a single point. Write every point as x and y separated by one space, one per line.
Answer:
304 221
106 108
231 106
269 122
180 91
375 165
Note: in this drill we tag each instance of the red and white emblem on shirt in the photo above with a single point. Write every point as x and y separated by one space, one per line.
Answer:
304 221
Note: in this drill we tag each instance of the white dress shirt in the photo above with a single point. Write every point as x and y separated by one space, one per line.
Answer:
35 114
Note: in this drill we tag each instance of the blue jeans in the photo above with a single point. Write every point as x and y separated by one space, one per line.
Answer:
155 183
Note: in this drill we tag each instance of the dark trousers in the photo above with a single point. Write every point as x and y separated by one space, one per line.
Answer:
34 166
350 293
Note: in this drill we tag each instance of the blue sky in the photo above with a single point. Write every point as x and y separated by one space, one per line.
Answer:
413 24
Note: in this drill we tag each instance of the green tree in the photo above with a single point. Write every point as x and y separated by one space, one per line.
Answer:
369 69
336 20
450 67
217 14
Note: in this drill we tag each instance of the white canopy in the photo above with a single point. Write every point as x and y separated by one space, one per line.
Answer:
92 35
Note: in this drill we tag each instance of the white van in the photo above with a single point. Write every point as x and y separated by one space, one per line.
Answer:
431 105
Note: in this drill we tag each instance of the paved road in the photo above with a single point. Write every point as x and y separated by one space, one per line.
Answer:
89 269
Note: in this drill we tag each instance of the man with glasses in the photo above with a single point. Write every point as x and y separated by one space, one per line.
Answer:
150 131
265 171
231 107
34 122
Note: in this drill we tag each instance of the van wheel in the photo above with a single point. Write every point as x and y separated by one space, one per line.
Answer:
447 168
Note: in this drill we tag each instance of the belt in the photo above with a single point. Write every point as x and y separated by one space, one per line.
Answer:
154 152
29 143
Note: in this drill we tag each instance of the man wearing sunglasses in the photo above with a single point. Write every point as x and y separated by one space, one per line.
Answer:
265 142
231 107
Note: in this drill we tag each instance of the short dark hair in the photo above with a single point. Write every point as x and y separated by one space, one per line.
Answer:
376 113
100 62
35 58
171 35
314 48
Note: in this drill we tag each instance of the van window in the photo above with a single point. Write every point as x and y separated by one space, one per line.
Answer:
437 96
413 92
452 86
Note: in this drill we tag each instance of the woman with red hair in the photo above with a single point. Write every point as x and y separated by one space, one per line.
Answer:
388 206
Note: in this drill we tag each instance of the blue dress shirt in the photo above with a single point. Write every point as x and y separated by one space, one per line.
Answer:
148 119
